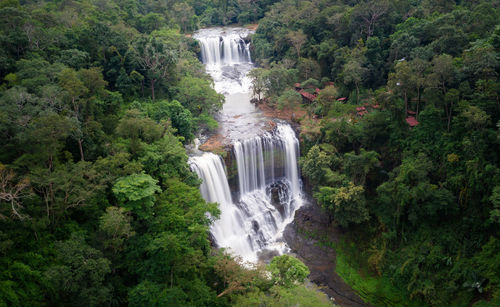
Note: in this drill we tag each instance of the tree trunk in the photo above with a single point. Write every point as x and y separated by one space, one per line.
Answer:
406 105
418 102
80 146
357 93
153 89
449 115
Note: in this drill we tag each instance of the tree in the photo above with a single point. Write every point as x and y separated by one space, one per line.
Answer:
70 81
12 193
297 39
357 167
66 187
183 13
78 276
115 225
402 82
287 271
353 73
46 134
309 68
290 99
326 98
258 78
370 12
136 192
346 203
313 165
138 127
156 59
180 117
235 276
198 96
442 77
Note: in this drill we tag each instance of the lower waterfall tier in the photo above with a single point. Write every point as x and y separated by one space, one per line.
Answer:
253 220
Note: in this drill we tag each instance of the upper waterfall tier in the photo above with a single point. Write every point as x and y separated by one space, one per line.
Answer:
224 48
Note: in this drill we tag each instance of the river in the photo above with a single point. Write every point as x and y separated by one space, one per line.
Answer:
256 209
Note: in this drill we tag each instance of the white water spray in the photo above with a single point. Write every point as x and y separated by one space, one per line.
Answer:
269 189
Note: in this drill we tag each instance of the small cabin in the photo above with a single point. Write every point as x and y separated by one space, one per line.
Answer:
412 121
307 97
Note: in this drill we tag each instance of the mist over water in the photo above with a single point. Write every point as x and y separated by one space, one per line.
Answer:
269 190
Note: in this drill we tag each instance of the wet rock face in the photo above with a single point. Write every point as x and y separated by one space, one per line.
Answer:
301 236
267 255
278 192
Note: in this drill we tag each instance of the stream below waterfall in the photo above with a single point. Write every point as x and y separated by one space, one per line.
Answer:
259 201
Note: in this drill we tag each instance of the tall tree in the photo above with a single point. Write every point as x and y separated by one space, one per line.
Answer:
156 59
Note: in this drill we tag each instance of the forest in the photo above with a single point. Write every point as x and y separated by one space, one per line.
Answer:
399 144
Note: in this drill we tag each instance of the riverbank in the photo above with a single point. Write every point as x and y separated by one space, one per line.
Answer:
304 239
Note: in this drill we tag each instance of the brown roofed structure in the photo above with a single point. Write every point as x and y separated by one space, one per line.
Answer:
307 96
412 121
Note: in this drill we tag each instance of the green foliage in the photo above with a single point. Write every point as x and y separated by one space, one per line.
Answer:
198 96
136 192
346 203
289 99
79 274
181 118
282 296
287 270
116 227
314 165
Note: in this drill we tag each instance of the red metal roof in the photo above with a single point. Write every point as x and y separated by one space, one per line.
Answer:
412 121
341 99
376 106
360 108
317 90
297 85
412 112
306 95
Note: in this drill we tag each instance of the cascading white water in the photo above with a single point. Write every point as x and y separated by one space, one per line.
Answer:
228 49
227 229
267 165
268 175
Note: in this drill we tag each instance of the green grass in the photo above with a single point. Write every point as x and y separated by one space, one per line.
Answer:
377 291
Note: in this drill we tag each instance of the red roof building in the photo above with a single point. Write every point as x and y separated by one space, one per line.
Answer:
360 109
376 106
412 112
412 121
341 99
306 96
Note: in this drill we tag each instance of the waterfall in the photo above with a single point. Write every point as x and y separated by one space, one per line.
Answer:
227 230
268 190
224 50
264 159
